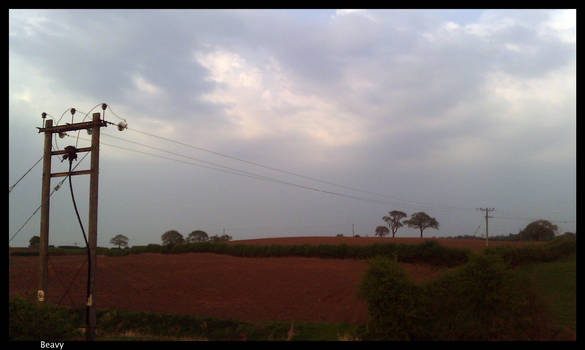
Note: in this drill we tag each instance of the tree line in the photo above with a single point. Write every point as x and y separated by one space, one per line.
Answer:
169 238
173 237
394 220
538 230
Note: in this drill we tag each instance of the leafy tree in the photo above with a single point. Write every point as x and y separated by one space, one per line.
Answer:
382 231
539 230
422 221
393 220
197 236
120 241
172 237
34 242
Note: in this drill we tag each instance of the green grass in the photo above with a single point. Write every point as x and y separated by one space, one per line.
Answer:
556 282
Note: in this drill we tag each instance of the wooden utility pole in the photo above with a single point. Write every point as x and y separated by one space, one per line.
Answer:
45 194
92 230
487 210
49 130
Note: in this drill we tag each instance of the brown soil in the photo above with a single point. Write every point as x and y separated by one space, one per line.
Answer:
221 286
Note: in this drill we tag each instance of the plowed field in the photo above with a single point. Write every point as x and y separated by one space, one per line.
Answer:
221 286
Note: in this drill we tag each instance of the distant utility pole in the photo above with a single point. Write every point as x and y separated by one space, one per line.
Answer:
48 128
487 211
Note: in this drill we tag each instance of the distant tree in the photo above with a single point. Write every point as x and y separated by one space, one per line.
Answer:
222 238
382 231
197 236
393 220
120 241
422 221
172 237
539 230
34 242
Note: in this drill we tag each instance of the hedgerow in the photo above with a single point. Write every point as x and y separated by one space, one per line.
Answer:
480 300
32 322
427 252
553 250
29 320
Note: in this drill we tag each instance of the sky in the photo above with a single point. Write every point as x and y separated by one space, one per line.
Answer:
279 123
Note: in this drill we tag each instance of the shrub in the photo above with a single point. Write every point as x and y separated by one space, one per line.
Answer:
392 301
29 320
481 300
553 250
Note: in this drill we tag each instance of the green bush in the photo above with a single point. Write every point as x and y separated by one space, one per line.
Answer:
481 300
392 301
484 300
32 321
517 255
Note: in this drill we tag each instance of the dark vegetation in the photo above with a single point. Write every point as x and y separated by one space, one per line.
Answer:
429 252
31 321
482 298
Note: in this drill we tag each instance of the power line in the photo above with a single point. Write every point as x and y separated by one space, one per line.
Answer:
22 177
282 170
231 170
238 172
39 207
234 171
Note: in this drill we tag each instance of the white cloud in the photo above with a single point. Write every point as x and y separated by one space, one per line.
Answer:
563 24
354 12
145 86
534 100
31 23
262 102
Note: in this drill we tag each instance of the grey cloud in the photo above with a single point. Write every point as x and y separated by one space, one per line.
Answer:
413 81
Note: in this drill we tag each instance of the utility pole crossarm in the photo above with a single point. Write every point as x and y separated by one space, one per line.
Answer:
82 149
73 127
73 173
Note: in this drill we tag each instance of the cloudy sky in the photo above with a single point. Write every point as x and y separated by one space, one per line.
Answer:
270 123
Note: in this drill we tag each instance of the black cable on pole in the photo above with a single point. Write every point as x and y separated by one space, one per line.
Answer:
71 155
